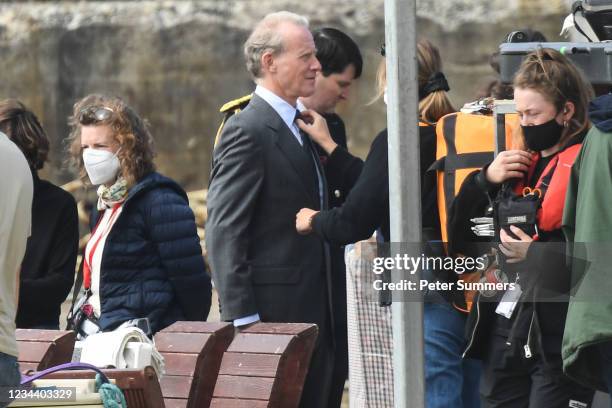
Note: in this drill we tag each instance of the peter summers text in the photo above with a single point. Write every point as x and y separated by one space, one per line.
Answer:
422 284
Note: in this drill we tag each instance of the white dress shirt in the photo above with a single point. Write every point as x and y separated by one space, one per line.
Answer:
285 110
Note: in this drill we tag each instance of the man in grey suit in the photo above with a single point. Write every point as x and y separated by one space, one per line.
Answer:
264 171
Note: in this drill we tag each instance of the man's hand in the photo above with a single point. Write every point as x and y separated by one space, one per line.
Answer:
316 127
508 164
303 221
514 249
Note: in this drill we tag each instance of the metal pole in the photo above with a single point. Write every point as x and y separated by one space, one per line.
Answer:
404 194
500 109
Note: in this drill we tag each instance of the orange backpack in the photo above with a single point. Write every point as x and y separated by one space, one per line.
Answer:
465 142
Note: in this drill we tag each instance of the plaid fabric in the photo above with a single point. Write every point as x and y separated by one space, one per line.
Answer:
370 339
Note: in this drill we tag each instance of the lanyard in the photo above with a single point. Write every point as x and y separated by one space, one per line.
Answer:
89 259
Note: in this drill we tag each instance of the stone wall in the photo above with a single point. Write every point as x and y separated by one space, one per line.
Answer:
178 61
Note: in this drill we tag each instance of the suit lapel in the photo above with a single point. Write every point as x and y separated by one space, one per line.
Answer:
290 147
302 164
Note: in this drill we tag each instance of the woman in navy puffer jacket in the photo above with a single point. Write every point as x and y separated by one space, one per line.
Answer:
143 259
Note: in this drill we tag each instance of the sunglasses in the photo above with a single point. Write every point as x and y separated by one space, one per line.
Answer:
94 114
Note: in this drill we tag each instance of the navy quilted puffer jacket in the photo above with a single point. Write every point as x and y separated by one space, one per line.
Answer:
152 264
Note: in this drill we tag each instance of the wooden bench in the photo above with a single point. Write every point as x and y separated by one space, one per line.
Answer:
192 352
41 349
140 387
265 366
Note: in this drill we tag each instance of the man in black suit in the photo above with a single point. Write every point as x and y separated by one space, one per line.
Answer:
264 171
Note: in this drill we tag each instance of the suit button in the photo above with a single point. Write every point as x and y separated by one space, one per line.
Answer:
337 193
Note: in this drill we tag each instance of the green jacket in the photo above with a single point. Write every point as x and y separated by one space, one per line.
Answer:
587 221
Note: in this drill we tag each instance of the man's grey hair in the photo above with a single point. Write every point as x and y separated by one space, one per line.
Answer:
267 38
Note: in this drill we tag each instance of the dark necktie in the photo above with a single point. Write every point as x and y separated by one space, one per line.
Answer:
303 135
306 146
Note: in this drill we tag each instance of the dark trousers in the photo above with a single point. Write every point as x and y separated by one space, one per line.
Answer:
318 380
509 380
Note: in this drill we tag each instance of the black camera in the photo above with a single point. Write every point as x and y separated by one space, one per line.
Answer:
525 35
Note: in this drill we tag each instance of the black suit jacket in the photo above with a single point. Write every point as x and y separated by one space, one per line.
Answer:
261 177
367 205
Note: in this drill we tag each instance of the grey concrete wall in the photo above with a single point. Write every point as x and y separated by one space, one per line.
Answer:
178 61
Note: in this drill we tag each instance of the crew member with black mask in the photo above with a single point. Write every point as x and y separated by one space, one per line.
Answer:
519 341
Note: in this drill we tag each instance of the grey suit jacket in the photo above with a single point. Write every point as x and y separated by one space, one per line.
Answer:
261 177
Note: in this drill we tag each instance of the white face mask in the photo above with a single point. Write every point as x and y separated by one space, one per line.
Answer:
102 166
385 95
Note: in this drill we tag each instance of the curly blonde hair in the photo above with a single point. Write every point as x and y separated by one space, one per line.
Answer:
129 131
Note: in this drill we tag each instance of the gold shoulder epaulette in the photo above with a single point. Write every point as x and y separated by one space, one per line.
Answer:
239 104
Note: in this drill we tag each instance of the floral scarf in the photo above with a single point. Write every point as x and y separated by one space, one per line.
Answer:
109 196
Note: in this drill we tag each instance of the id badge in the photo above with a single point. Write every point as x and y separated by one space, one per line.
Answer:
508 302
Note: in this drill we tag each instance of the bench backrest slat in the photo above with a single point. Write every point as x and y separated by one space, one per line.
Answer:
250 364
41 349
192 352
265 366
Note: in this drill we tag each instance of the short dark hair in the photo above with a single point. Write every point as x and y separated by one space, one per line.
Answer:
22 126
336 51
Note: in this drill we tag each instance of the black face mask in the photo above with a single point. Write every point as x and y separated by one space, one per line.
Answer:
544 136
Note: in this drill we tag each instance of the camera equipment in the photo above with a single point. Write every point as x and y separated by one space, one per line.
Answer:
525 35
594 59
592 19
518 211
598 14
